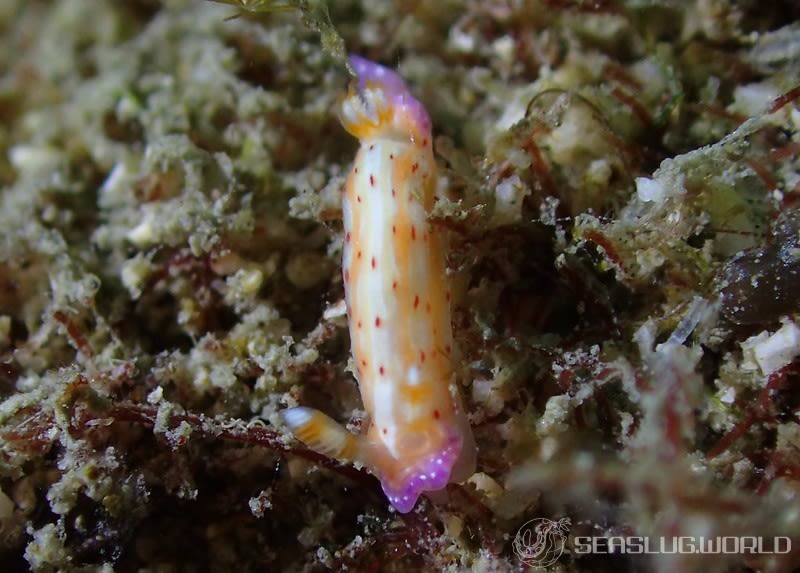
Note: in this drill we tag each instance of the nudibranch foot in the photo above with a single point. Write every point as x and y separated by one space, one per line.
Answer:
429 474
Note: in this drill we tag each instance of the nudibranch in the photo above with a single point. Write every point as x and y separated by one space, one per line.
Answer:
398 302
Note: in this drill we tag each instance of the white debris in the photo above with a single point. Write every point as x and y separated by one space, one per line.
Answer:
650 190
144 234
155 396
770 352
510 194
728 396
753 99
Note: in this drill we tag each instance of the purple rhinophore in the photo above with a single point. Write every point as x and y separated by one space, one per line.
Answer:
368 71
395 89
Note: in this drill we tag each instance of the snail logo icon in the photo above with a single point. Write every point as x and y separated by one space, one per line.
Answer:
540 542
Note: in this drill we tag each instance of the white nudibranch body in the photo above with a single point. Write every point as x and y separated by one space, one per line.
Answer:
398 302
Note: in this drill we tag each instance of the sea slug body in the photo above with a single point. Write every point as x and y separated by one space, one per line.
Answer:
398 302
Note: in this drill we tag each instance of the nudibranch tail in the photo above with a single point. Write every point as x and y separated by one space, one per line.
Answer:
322 433
402 483
381 105
431 473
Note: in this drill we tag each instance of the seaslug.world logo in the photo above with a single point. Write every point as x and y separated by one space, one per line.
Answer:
540 541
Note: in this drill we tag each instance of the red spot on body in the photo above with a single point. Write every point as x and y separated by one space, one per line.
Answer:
385 431
414 167
394 229
413 233
394 193
358 255
355 170
391 156
347 275
377 322
371 180
428 307
394 285
416 301
347 237
381 370
372 146
358 198
422 356
359 324
373 263
436 414
447 296
447 349
364 363
424 142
